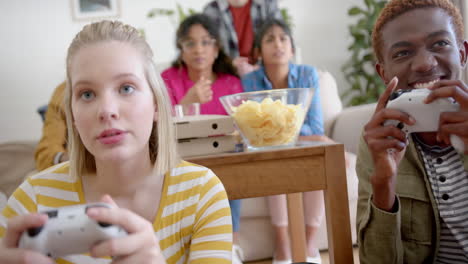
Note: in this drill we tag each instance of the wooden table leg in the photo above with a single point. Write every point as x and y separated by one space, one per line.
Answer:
297 227
337 208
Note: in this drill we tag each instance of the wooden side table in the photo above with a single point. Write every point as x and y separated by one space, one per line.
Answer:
314 166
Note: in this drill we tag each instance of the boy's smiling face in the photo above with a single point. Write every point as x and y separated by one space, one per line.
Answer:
420 48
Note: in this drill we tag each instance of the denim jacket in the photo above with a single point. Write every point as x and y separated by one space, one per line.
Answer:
412 233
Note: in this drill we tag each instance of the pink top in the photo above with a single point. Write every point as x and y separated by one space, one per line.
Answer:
178 83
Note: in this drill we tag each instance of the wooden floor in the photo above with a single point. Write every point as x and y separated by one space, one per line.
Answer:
323 254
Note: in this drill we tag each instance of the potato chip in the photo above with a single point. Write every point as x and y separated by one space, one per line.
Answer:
268 123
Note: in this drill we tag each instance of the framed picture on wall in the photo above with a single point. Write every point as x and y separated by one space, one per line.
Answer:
95 9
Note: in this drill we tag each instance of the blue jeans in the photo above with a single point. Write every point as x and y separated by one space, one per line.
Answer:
235 213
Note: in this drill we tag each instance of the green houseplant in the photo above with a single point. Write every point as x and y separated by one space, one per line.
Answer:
176 15
181 13
366 85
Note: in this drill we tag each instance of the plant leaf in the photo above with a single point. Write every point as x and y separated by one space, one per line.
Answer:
355 11
365 84
369 3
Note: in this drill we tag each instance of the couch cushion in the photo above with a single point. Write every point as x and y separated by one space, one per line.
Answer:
348 125
16 162
3 201
330 99
256 238
255 207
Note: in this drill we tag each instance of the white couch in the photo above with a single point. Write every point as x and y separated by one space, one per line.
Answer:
16 162
342 125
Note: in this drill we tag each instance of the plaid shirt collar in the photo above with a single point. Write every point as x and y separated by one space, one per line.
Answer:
224 4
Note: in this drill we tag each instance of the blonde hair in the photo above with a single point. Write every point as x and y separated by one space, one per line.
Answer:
163 154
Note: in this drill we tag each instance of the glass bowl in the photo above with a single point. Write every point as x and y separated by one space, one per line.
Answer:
270 118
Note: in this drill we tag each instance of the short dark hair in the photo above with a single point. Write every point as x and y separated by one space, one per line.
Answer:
223 63
395 8
269 23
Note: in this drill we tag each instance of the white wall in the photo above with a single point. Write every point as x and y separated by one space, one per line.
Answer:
34 36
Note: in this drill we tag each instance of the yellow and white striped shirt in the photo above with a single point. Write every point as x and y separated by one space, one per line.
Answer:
193 222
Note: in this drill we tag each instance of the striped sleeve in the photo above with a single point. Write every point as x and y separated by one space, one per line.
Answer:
22 201
212 232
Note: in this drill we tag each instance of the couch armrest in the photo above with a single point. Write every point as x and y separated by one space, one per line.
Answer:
330 99
348 125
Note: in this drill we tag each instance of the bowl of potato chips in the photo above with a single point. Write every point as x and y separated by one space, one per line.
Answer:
270 118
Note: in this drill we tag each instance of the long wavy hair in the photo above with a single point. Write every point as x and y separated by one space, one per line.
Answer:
223 63
162 153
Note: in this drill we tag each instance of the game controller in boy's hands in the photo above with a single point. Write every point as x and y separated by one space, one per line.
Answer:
426 115
69 231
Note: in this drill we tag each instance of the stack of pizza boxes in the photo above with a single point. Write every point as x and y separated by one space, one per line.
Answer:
205 134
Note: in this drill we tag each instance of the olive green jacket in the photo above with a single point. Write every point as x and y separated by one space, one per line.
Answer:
411 235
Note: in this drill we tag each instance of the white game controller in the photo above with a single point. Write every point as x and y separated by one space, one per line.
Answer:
426 115
69 231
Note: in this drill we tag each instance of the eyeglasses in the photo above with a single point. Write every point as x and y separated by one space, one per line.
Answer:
191 44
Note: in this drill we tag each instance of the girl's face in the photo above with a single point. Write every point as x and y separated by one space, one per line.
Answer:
276 47
112 103
199 49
